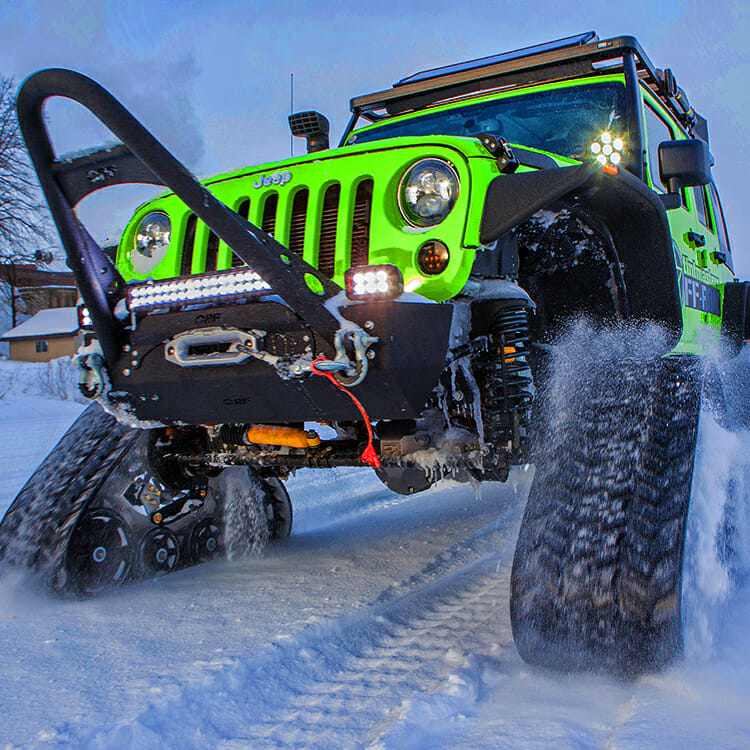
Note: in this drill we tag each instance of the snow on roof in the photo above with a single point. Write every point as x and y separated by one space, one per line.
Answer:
54 322
58 264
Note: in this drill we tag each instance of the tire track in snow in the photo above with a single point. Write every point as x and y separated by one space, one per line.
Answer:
485 541
343 683
419 641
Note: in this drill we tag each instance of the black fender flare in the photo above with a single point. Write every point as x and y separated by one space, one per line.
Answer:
633 213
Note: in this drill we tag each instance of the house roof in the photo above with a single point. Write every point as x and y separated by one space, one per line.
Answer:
28 275
55 322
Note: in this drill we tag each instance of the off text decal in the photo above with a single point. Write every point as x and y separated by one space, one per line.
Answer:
695 293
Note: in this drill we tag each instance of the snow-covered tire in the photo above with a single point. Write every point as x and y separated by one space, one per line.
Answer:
37 528
597 572
278 509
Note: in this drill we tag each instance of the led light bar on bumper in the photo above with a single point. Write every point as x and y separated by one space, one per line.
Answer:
196 289
366 283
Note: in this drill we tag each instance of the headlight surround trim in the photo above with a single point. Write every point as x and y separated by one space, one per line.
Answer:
432 182
151 241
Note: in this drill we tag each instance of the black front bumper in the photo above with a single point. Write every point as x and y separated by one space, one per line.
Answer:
408 359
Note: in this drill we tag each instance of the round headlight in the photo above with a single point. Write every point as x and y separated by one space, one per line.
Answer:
428 192
151 241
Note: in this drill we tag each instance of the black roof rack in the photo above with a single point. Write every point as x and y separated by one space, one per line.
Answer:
572 56
568 41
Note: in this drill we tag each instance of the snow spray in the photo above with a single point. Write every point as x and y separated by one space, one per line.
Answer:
716 558
245 520
717 546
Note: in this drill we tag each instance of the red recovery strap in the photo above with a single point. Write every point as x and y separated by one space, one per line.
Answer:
368 456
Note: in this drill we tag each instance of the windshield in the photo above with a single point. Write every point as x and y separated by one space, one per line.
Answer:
563 121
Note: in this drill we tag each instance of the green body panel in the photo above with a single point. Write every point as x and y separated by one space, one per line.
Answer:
697 269
391 239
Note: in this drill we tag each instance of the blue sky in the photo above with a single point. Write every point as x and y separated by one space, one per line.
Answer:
211 79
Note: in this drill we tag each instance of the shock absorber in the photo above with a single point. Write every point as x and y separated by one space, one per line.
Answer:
505 377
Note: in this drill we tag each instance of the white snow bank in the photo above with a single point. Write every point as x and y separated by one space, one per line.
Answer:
38 402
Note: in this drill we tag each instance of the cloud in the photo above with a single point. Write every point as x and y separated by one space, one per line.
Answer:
210 78
155 83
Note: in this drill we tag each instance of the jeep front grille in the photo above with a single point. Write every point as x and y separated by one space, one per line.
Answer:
298 222
361 224
328 224
268 217
212 252
329 227
243 211
186 259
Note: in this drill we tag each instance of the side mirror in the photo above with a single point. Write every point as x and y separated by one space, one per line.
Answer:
684 163
313 126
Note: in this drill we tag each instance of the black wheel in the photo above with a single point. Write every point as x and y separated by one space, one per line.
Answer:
159 552
278 507
597 572
100 553
206 541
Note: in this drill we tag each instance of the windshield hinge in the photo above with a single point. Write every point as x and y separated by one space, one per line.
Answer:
498 147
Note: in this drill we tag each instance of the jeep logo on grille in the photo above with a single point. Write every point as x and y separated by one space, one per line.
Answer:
277 178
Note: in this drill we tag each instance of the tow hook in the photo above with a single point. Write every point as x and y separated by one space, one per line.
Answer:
346 373
91 378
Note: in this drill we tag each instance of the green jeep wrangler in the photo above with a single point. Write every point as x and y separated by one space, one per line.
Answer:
403 300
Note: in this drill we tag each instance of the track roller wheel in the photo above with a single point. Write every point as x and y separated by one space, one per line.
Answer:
100 553
159 552
206 541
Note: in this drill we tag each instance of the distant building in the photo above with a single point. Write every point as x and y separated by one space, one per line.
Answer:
32 289
49 334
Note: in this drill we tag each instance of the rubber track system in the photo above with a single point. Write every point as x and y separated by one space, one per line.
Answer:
597 571
86 519
38 525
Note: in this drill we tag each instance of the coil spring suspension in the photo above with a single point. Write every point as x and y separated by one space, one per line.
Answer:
234 434
505 377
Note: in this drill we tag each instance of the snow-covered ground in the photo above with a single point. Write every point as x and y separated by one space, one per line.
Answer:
382 622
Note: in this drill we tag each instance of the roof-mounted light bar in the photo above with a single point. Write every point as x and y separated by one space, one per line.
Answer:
242 282
481 62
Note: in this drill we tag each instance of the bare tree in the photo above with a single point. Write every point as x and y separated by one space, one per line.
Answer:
23 216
